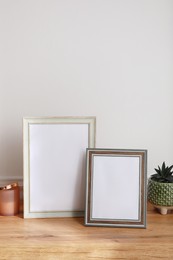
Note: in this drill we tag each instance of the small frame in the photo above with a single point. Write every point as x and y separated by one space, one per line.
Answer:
54 165
116 188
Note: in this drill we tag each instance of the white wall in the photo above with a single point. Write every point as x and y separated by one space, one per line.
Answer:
109 58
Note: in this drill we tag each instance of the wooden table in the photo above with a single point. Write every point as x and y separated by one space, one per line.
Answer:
68 238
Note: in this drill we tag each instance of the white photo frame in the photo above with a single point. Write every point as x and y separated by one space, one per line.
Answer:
54 165
116 188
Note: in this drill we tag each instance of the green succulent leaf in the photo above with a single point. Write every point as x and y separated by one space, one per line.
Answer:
169 179
169 170
155 176
163 166
158 171
163 174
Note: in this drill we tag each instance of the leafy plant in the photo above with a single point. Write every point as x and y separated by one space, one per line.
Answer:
164 174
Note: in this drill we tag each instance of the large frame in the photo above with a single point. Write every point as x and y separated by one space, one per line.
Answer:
54 165
116 188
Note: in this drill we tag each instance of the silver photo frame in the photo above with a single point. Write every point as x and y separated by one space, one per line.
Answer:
116 188
54 165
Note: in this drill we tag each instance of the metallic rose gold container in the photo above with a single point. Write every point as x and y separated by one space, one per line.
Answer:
9 201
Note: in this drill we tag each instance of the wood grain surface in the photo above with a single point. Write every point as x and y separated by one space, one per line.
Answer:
68 238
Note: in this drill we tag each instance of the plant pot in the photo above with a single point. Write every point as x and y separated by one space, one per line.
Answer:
9 201
160 195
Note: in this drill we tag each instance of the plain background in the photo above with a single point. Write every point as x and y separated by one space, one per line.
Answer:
115 188
112 59
55 151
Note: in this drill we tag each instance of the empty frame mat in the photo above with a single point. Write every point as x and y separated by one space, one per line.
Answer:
116 188
54 165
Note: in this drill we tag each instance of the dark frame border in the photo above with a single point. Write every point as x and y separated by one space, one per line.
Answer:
142 154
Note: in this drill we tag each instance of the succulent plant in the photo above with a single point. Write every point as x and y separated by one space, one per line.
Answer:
164 174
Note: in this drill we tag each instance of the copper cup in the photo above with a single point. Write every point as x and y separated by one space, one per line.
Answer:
9 201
